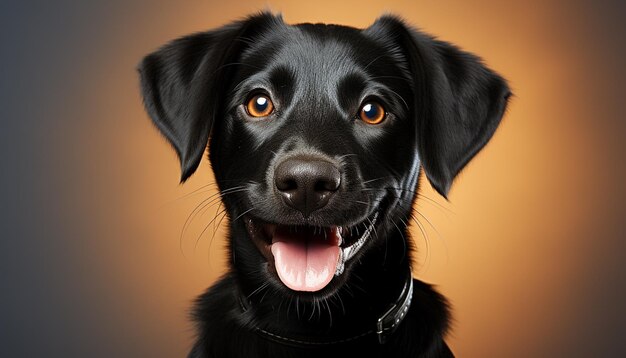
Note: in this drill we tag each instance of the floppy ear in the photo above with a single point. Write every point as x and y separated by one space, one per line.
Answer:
459 102
183 83
469 103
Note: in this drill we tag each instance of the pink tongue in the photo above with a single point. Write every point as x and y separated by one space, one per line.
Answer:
305 264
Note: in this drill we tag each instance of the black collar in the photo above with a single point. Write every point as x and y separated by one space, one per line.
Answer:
384 326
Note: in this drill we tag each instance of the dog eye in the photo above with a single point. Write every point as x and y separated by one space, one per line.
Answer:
372 113
260 106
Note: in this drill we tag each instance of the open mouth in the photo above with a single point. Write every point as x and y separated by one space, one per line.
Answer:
306 258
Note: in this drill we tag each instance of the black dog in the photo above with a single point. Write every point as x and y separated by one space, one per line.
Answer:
316 135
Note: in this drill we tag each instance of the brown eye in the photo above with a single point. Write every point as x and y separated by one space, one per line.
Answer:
260 106
372 113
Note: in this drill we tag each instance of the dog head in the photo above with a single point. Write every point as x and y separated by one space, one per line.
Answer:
317 134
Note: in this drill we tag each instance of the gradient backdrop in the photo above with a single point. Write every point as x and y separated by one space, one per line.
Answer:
530 249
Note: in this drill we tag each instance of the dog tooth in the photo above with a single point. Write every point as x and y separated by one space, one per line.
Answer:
340 263
339 235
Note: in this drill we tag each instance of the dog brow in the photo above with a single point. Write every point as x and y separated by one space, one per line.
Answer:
283 81
349 89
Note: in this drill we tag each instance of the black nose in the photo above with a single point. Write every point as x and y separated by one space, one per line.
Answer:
306 184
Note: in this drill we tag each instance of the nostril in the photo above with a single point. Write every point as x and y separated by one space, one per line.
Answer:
327 184
287 184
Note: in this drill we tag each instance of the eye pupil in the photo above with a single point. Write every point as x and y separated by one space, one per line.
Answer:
370 110
372 113
259 106
261 103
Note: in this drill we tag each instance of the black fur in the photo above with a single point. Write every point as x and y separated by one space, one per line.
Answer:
442 104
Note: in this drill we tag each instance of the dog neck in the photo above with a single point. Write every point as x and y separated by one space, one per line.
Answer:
360 308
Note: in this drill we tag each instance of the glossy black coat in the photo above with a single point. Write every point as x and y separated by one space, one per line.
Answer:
442 106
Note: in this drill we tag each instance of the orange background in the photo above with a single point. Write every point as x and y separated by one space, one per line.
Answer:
529 250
